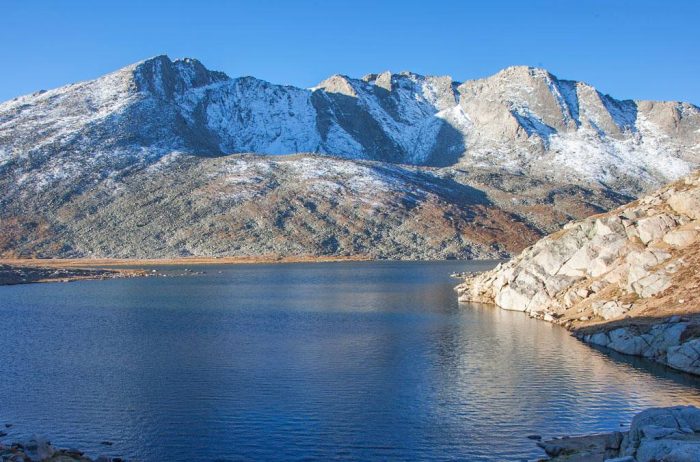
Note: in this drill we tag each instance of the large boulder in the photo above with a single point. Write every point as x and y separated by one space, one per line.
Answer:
610 309
686 203
664 434
654 228
681 237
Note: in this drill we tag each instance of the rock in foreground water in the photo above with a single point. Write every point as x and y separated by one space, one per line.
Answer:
39 448
669 434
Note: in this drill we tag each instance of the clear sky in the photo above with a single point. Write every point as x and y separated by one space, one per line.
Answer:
630 49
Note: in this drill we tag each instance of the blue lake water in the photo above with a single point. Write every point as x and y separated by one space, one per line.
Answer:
337 361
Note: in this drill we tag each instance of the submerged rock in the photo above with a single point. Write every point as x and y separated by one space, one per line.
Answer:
38 448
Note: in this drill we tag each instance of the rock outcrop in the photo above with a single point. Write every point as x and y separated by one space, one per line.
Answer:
657 434
664 434
628 279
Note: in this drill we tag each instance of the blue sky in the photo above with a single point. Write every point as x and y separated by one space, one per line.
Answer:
630 49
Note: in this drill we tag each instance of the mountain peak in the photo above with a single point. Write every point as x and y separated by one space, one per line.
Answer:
525 72
388 79
153 59
338 83
163 77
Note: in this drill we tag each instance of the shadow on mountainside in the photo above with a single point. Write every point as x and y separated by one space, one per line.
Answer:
447 188
355 119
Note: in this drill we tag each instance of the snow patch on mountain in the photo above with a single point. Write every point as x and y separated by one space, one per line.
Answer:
522 120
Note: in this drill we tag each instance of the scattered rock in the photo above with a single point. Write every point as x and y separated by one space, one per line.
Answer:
14 274
39 448
609 310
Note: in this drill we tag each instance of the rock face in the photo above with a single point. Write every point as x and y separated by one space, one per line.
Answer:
669 341
521 153
627 279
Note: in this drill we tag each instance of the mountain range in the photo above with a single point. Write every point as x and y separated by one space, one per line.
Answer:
167 158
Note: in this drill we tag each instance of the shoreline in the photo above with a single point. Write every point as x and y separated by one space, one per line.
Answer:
38 448
667 433
672 340
179 261
14 271
626 279
33 274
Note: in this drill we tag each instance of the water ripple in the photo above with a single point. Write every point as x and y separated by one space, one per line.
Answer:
356 361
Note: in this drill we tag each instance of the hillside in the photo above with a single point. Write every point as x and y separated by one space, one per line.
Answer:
628 279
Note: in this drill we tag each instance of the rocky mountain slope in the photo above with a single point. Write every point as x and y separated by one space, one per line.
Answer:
628 279
260 206
534 150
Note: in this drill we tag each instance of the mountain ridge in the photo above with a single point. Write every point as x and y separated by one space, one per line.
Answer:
508 120
539 150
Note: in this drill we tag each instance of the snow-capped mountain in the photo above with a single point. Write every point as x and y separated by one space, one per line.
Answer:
519 120
77 163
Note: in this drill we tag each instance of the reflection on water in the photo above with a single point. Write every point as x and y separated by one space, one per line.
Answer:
304 361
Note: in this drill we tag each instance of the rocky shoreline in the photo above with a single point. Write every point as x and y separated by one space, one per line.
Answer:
38 448
671 341
16 274
628 280
25 274
657 434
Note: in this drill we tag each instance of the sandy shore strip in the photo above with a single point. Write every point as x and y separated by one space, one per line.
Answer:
30 270
26 274
183 261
